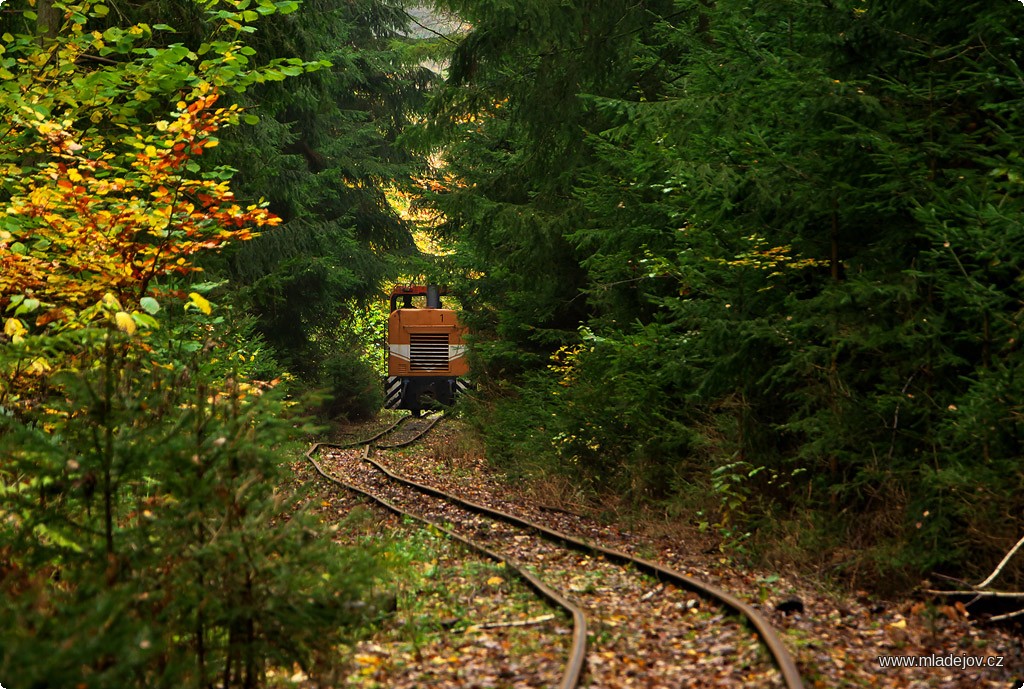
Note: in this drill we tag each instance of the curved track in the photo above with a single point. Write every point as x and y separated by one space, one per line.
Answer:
406 430
371 474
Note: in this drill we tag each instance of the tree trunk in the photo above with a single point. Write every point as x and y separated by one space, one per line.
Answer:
48 19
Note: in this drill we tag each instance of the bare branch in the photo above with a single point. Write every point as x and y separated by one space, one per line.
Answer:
653 592
999 568
517 623
415 21
1007 616
979 594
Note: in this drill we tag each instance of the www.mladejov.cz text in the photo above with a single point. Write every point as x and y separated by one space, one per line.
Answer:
951 660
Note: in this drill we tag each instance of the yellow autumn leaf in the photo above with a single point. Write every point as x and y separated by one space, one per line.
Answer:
125 322
495 581
197 300
15 329
13 326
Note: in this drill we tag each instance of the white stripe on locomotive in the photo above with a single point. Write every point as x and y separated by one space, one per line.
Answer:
401 351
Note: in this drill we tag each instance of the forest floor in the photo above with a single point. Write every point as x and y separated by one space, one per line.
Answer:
836 638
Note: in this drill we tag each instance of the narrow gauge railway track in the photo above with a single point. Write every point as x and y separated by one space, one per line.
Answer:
646 613
404 431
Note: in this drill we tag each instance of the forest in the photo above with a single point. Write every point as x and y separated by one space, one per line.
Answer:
755 267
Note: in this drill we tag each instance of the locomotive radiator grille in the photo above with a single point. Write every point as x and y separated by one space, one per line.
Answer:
428 351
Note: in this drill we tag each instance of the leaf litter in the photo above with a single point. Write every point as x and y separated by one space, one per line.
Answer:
835 639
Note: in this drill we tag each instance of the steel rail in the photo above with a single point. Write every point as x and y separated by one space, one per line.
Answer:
410 441
783 660
574 667
377 436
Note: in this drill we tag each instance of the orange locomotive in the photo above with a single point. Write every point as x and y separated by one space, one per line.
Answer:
426 354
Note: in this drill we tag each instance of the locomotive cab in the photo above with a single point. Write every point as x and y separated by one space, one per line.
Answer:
426 353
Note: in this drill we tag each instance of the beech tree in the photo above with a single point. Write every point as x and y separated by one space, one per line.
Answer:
142 538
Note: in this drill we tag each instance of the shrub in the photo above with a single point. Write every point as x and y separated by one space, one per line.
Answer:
354 389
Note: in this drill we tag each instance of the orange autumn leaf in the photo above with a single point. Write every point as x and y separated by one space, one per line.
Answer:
109 228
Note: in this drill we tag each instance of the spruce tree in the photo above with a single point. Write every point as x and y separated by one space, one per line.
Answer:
790 232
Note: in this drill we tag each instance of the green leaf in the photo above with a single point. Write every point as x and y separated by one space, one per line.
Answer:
204 287
145 320
149 304
27 306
